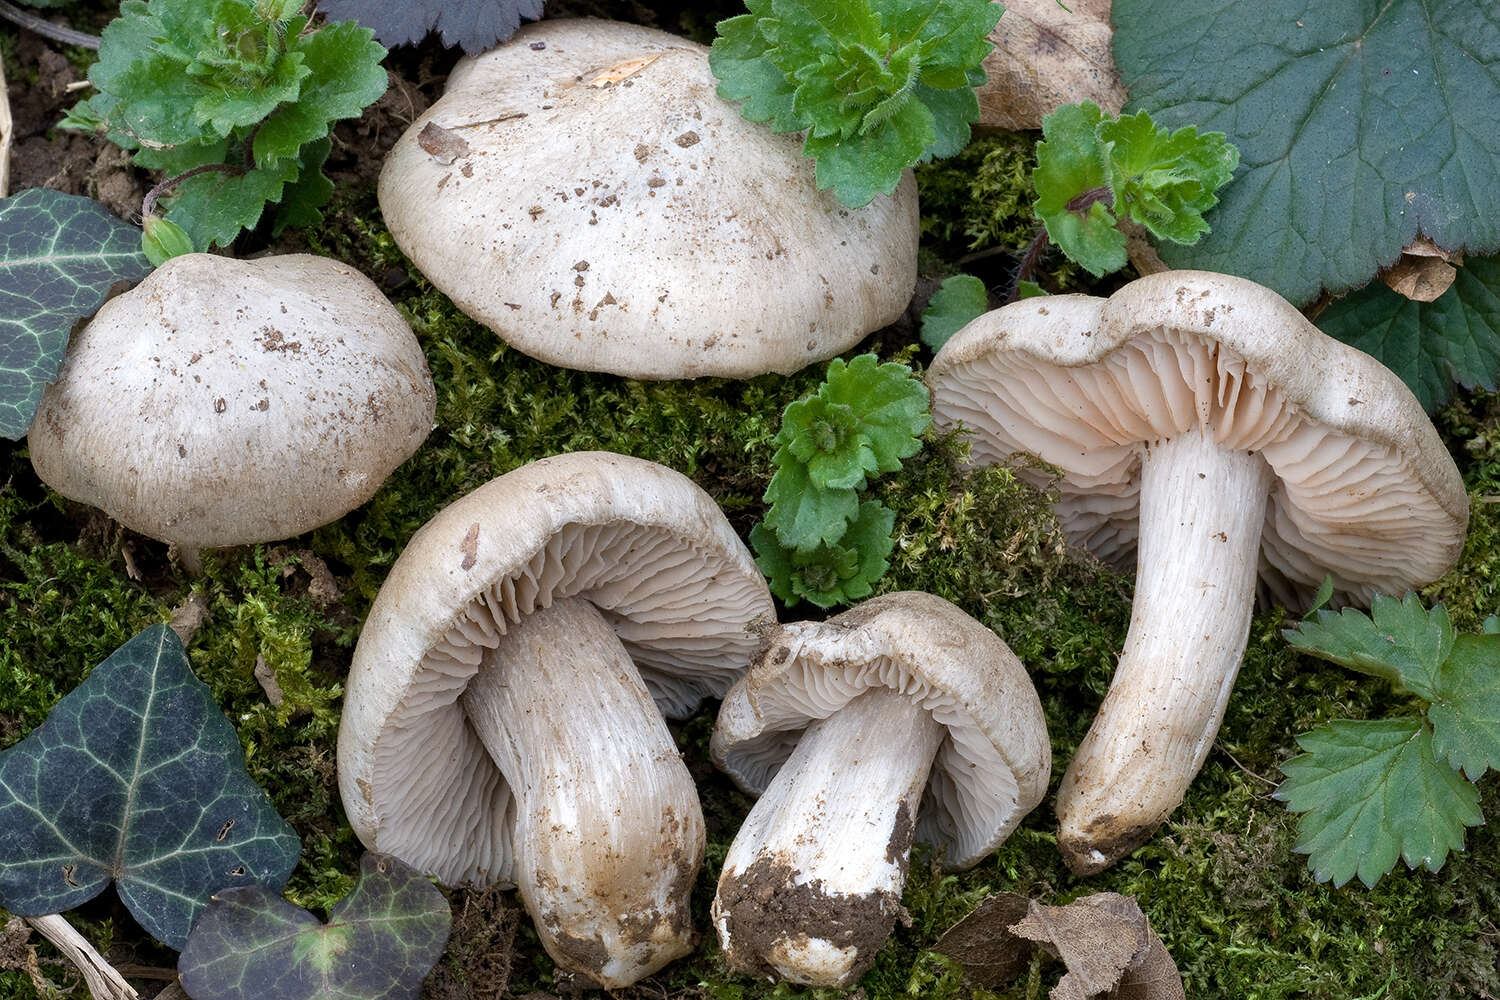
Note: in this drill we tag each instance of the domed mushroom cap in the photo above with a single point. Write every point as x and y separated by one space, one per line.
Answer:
1363 485
640 542
583 191
990 770
226 402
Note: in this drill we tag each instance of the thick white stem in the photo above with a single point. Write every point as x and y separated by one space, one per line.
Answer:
609 832
104 980
812 883
1202 508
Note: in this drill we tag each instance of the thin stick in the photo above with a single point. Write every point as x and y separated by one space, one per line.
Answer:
104 981
148 203
47 29
7 128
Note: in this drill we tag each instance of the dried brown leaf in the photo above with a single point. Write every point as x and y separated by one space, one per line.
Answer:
1108 946
1423 271
443 145
984 945
1046 56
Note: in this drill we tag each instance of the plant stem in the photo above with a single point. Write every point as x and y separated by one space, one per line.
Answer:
1029 261
55 32
148 203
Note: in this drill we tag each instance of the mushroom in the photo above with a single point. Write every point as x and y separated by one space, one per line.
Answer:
500 720
226 402
1205 428
583 192
904 700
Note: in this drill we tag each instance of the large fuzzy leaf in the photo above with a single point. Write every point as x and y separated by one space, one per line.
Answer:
59 255
136 777
1358 124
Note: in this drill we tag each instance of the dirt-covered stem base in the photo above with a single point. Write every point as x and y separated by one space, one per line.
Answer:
1201 512
608 829
812 883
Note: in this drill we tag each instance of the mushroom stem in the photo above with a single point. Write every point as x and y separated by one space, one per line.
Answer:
608 828
812 882
1201 512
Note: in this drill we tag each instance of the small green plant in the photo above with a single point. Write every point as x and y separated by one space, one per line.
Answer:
233 100
877 87
1093 172
958 300
1378 789
819 540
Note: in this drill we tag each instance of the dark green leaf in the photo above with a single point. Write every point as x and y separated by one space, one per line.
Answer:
59 255
1073 195
830 573
303 199
1465 710
379 942
1400 641
1430 345
958 301
346 77
1372 792
1358 126
136 777
213 207
805 516
738 58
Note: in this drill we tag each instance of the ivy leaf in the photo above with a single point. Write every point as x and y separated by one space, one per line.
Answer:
475 25
1072 181
829 574
958 301
1358 125
1371 792
136 777
379 943
59 255
1400 641
1431 345
1465 710
802 514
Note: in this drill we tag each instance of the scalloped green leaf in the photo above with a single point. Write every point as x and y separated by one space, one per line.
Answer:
379 943
1358 126
959 300
802 514
1372 792
1431 345
1400 641
136 777
59 256
1465 710
829 574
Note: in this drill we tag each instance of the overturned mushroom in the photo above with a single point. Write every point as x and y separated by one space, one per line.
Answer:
905 700
499 723
226 402
583 191
1208 432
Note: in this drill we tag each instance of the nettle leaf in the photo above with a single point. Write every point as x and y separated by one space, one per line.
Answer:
802 514
379 943
1400 641
59 255
1431 345
1371 792
1358 126
958 301
829 574
136 777
1465 709
475 25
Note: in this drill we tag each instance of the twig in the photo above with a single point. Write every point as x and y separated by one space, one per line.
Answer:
47 29
7 127
1029 261
1242 767
104 981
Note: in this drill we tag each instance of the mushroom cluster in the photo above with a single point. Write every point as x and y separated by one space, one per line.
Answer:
1206 431
503 719
583 192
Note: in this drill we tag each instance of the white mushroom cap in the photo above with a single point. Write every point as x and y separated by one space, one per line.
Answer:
639 541
583 191
225 402
1364 488
991 769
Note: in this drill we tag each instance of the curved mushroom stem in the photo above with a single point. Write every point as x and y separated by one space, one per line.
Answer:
609 831
1202 508
812 882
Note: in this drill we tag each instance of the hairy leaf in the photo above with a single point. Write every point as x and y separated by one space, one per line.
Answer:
1073 194
1431 345
830 573
379 943
1399 641
804 515
345 77
474 25
1359 125
1465 710
136 777
1373 792
958 301
59 255
889 404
